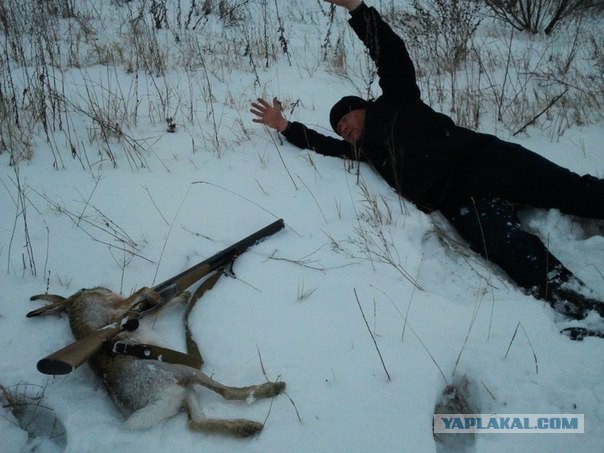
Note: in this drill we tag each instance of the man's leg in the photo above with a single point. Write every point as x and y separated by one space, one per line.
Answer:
510 172
491 227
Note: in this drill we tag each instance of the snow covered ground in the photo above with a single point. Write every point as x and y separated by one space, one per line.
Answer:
296 309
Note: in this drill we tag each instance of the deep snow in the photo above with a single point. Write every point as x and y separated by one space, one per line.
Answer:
292 308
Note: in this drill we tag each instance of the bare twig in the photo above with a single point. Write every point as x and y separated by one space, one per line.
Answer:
371 334
169 231
314 198
407 324
520 326
284 393
283 161
474 316
536 117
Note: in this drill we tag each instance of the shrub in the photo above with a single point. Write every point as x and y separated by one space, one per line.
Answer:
536 16
444 27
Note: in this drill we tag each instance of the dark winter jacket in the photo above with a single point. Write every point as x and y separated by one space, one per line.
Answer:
416 150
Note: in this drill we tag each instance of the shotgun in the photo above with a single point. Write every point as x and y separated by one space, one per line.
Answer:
65 360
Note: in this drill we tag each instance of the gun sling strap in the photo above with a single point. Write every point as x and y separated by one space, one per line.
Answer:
152 352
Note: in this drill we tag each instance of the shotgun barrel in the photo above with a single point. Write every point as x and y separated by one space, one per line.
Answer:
185 279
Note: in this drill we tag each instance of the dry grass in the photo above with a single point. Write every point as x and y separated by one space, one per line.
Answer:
477 74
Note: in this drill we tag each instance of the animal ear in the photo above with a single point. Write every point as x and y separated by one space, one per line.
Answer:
57 305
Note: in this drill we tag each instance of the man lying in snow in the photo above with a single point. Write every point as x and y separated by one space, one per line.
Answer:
475 180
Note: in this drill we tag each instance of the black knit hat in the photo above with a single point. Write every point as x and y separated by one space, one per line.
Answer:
343 106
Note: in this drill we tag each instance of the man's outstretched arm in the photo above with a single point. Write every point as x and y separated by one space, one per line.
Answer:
395 67
297 133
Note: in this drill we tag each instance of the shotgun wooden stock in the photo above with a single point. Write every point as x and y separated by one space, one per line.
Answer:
65 360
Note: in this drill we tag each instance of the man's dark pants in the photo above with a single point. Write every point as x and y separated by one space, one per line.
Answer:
481 204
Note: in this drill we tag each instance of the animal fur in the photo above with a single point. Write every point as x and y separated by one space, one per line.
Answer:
148 391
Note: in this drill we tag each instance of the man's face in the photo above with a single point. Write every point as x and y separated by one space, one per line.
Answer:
351 126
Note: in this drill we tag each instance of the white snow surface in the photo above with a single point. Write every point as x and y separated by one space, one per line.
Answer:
296 308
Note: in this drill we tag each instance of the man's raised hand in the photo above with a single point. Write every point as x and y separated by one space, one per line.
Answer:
348 4
269 115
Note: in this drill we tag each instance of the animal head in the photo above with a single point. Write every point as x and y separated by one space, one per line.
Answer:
88 309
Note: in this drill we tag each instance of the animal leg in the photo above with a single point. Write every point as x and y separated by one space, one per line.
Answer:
141 300
167 404
265 390
235 427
